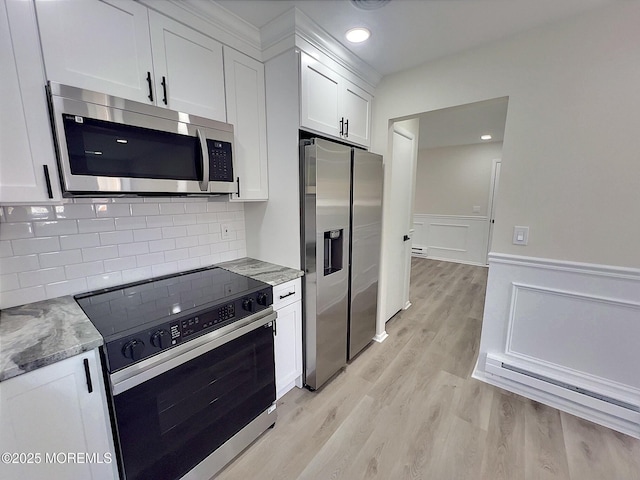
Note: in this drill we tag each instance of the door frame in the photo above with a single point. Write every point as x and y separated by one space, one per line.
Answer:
496 168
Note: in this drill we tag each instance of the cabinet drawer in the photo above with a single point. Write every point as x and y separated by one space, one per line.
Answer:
287 293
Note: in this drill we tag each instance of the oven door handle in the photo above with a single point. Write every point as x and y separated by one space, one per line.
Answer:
134 375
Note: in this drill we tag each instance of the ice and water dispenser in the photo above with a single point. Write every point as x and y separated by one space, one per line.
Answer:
333 249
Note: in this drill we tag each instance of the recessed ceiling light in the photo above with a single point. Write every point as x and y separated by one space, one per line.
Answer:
485 137
122 140
358 34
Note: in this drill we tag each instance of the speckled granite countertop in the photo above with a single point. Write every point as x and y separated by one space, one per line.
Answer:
264 271
39 334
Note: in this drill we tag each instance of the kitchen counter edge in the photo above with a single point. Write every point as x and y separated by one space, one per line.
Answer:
266 272
38 334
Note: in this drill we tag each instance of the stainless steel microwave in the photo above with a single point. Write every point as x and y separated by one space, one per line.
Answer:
112 146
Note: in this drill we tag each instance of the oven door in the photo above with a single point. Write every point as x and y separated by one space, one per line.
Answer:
172 415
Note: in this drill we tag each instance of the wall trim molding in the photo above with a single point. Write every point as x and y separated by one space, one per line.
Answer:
627 273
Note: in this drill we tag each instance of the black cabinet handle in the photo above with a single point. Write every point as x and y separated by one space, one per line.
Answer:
341 126
88 375
346 130
150 96
47 180
238 183
275 328
406 237
164 90
287 295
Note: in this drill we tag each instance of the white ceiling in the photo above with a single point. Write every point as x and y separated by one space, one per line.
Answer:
463 125
407 33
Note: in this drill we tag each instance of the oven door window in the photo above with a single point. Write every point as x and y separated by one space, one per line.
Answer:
169 424
109 149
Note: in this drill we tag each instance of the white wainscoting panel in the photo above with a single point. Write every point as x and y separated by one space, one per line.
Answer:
566 334
454 238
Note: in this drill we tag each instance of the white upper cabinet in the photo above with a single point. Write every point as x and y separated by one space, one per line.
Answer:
98 45
121 48
332 105
28 170
189 74
245 93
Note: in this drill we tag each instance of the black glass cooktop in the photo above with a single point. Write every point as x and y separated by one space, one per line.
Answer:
121 311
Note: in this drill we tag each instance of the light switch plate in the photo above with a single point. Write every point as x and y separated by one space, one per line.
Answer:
520 235
224 232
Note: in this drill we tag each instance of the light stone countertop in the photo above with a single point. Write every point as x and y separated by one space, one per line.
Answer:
39 334
264 271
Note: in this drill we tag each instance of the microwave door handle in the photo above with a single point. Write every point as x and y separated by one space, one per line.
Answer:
204 184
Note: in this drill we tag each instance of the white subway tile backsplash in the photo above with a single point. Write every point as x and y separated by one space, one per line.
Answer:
12 231
200 251
42 276
176 255
100 253
28 246
184 219
5 248
9 282
173 232
116 238
160 221
135 274
88 244
19 264
186 242
129 249
67 287
85 269
130 223
83 240
113 210
58 259
150 259
96 225
22 296
104 280
144 209
164 269
227 256
162 245
28 214
118 264
172 208
74 211
226 216
55 227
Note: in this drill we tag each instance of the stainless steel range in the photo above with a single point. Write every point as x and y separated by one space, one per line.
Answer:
189 364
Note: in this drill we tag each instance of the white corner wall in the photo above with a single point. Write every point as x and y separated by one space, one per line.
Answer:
570 152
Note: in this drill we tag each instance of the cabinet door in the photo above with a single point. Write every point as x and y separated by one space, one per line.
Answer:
245 92
288 348
320 97
50 411
190 64
356 108
26 146
97 45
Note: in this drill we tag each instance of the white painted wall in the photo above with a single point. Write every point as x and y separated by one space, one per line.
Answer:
87 244
570 153
452 180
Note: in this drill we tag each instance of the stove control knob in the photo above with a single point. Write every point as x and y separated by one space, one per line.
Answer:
133 349
247 304
161 339
262 299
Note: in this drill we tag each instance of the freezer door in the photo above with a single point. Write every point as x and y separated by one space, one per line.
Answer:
366 230
326 172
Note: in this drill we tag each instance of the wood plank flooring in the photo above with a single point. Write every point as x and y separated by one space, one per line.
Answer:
408 409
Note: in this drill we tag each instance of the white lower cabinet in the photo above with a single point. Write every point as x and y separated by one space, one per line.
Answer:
53 427
288 336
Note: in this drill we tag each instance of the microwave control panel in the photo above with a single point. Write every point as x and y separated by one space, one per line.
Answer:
220 161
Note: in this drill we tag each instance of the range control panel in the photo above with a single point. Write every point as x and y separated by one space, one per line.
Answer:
132 349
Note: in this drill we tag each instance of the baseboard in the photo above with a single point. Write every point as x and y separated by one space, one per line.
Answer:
565 334
381 337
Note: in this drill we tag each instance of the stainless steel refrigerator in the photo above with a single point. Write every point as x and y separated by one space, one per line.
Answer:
341 205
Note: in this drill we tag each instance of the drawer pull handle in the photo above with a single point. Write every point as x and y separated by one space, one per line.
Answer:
287 295
87 373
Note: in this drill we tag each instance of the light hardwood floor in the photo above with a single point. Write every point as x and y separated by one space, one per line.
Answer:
408 409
